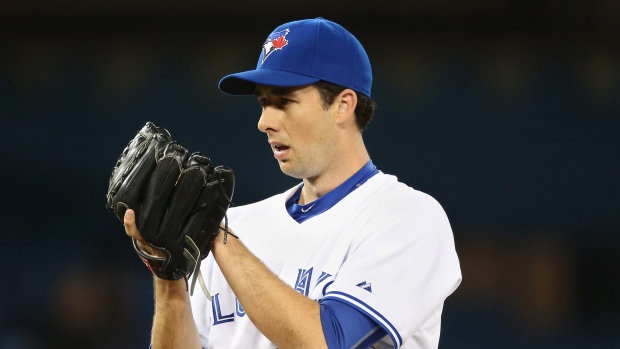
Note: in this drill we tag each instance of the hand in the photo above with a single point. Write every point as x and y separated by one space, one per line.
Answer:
131 229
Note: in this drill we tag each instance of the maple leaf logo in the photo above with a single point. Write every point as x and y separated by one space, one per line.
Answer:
279 42
276 41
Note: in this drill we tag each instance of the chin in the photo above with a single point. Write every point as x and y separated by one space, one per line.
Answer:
289 170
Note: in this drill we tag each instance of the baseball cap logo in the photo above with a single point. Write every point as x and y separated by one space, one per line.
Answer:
275 41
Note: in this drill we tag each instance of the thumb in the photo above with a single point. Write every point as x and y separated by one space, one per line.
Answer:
129 221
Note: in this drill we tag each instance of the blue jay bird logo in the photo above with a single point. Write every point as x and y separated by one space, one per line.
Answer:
275 41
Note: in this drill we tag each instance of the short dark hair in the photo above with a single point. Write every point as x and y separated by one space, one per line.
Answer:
364 111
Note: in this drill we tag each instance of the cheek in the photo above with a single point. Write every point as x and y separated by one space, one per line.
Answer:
322 140
314 134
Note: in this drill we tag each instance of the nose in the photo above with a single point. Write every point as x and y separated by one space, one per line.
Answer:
267 121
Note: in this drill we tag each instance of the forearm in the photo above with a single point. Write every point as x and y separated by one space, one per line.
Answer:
173 324
286 317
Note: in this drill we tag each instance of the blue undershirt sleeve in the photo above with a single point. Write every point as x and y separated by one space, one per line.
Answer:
347 327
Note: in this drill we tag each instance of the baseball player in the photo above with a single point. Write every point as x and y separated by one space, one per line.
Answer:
348 258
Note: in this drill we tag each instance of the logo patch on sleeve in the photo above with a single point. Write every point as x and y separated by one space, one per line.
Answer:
365 286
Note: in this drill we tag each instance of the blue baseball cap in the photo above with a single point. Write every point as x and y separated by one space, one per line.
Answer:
304 52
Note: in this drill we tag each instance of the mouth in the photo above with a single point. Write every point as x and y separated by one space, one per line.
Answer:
280 151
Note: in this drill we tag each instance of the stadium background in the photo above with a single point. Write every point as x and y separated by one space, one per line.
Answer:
506 111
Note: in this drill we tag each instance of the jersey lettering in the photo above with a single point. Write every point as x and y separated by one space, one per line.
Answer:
323 276
239 309
302 285
218 318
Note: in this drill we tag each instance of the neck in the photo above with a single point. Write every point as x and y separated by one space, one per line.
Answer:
341 169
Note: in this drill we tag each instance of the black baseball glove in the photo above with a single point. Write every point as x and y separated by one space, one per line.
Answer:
179 201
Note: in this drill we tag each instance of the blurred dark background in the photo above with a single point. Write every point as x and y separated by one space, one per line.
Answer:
506 111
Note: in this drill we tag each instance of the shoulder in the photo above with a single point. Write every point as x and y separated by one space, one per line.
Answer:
398 211
395 196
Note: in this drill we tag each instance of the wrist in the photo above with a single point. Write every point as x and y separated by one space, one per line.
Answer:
223 244
169 288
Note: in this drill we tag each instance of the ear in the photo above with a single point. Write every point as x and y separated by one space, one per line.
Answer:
345 103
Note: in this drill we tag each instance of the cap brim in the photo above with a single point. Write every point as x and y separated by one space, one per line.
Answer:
244 83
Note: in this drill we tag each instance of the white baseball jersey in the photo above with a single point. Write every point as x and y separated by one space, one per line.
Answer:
385 249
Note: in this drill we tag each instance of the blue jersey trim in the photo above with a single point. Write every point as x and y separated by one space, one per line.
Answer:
301 213
345 326
372 313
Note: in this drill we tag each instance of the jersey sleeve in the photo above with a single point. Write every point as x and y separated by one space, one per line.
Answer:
401 267
346 327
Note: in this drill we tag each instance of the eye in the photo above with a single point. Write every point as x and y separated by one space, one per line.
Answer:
277 102
285 101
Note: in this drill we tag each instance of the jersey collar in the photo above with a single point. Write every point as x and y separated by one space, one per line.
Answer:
301 213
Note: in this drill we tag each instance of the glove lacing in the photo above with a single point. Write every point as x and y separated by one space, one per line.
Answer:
197 261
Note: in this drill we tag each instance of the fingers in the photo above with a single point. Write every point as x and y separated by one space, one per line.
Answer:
129 222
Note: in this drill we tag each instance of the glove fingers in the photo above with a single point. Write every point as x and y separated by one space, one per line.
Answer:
210 209
225 178
188 189
134 168
134 150
158 191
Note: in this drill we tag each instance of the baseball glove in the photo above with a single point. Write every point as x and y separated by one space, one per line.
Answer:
179 201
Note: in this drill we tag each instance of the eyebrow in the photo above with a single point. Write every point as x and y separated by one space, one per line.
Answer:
279 91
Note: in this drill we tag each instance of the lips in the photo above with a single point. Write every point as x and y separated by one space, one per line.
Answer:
280 151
